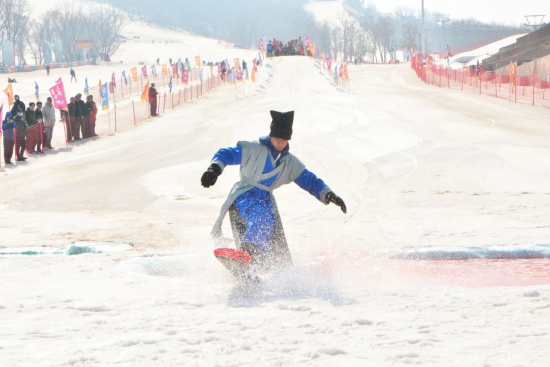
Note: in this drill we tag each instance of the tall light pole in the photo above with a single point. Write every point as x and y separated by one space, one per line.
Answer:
423 39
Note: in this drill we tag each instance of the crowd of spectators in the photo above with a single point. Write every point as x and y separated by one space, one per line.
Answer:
293 47
30 130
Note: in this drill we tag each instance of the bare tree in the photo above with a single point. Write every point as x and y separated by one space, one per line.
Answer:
15 20
70 26
105 28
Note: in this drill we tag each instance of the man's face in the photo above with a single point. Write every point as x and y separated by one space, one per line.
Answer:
77 98
38 107
279 143
49 102
31 106
72 99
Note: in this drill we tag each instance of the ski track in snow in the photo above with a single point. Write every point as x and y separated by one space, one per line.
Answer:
419 177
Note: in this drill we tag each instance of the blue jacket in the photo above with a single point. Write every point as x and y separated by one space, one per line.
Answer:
307 180
8 130
270 48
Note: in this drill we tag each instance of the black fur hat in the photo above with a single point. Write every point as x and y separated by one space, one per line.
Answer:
281 125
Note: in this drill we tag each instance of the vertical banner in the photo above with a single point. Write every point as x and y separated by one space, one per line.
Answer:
104 97
164 70
154 70
58 95
239 74
200 74
345 71
134 74
236 61
124 76
185 77
47 49
335 74
9 92
329 62
86 89
198 61
113 80
144 71
8 53
170 84
36 91
175 69
219 68
145 93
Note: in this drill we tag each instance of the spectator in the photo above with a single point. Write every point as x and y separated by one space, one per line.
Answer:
8 126
92 108
49 122
73 76
47 67
269 50
153 99
158 61
20 135
78 115
244 66
170 61
33 131
17 105
73 121
86 129
40 121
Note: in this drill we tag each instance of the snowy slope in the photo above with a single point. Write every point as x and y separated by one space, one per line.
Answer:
479 54
418 169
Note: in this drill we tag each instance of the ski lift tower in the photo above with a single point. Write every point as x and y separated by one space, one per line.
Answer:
443 18
535 21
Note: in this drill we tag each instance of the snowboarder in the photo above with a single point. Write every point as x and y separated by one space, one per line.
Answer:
266 165
73 75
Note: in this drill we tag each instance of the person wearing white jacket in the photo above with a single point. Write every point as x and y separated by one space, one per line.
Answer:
48 113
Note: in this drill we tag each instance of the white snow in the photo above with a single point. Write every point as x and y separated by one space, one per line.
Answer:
421 169
479 54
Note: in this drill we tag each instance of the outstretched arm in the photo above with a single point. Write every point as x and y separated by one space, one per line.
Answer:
223 157
309 182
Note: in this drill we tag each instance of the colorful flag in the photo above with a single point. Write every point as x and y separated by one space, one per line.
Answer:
1 116
335 74
164 70
175 68
104 94
145 94
211 70
253 77
187 65
170 84
340 74
329 62
345 71
134 74
261 45
478 69
239 74
219 68
113 79
36 91
86 89
197 61
200 74
154 70
58 95
9 92
512 73
124 76
144 71
185 77
246 73
232 79
236 61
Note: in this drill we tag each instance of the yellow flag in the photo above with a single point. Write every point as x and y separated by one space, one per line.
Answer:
164 70
9 92
145 94
134 74
253 77
346 71
198 60
236 63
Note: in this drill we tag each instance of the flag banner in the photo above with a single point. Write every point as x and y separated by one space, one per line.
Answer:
185 77
100 85
154 70
187 65
8 53
175 68
336 73
220 68
86 89
307 40
134 74
36 91
113 80
170 84
47 49
104 94
164 70
239 74
144 71
345 71
512 73
329 62
246 73
340 75
236 61
200 74
197 61
58 95
261 45
253 76
145 93
227 65
211 70
232 79
124 76
2 116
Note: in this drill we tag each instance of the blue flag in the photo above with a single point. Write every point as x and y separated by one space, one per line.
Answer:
86 90
124 76
170 85
336 73
200 74
104 97
36 91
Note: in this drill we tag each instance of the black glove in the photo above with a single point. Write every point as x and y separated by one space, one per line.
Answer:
210 177
333 198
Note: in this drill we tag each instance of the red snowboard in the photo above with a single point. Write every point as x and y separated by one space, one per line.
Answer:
237 262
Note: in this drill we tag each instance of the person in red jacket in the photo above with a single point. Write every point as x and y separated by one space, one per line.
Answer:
153 99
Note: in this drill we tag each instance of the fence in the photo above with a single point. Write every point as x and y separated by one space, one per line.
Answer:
527 89
117 117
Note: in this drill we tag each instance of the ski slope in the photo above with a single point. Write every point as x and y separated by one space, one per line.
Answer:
419 169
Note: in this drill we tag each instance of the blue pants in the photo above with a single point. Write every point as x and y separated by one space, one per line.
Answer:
256 208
